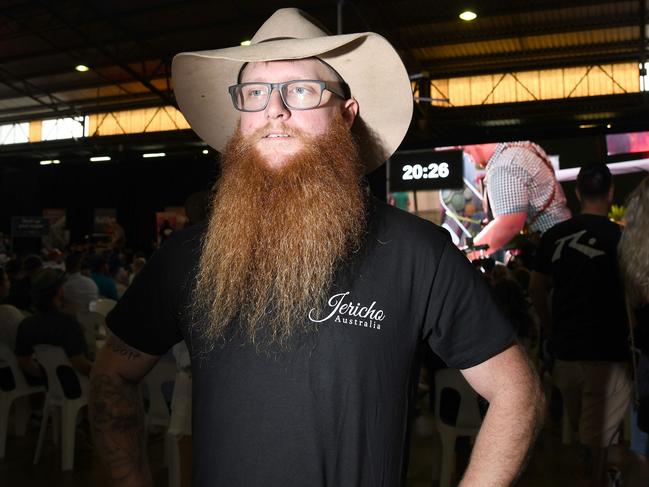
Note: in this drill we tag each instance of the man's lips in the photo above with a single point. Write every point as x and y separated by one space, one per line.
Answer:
276 135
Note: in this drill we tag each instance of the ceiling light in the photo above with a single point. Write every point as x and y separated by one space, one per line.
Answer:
245 43
99 158
82 68
608 125
468 16
153 154
47 162
205 151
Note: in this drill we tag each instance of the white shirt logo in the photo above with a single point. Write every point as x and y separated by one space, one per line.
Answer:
348 313
574 244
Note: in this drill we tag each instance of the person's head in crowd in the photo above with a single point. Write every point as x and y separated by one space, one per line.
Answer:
47 289
196 207
99 264
498 273
480 153
522 275
55 255
31 264
138 264
5 284
73 262
85 266
594 186
634 246
13 268
511 300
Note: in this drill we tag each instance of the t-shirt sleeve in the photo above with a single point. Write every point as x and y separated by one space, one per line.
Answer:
507 189
462 322
147 317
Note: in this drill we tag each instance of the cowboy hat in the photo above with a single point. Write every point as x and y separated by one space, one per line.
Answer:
366 61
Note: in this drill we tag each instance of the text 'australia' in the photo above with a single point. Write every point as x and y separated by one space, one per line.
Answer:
348 313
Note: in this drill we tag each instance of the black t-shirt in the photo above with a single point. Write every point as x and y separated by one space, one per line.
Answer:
588 310
332 408
52 328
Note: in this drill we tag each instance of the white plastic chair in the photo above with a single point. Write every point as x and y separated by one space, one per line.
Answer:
180 424
94 328
17 389
59 402
467 423
157 414
102 306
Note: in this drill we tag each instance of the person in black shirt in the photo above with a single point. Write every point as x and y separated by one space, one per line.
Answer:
303 302
587 322
50 326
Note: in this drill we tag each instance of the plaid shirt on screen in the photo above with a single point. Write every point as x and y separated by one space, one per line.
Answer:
519 179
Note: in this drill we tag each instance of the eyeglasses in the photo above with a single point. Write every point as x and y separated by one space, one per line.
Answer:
302 94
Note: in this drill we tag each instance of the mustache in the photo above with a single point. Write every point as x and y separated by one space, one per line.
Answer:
273 128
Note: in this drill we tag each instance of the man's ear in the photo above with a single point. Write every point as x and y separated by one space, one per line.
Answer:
349 112
578 194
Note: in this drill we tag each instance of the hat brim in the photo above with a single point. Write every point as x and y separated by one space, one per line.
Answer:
366 61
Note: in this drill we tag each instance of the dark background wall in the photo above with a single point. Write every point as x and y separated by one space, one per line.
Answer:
136 189
139 188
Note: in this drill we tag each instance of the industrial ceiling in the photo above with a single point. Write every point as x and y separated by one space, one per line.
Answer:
128 46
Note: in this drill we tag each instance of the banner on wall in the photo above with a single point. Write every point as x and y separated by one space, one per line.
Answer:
29 226
58 236
104 222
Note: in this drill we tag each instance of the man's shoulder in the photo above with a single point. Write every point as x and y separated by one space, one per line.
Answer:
9 313
393 223
187 240
583 222
79 280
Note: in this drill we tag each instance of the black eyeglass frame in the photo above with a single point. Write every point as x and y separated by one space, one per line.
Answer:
324 85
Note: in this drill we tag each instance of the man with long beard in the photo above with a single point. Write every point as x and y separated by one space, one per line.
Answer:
304 301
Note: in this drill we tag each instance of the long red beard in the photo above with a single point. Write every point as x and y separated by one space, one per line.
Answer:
275 237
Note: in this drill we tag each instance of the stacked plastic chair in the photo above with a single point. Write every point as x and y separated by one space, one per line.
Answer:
14 390
467 421
61 401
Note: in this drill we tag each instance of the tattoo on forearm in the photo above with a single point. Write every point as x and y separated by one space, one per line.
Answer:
121 348
117 422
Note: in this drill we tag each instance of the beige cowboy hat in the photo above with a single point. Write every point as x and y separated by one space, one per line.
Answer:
366 61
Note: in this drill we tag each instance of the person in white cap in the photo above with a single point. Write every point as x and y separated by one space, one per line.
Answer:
304 301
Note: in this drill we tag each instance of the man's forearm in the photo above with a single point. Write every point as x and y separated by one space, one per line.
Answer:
117 421
510 427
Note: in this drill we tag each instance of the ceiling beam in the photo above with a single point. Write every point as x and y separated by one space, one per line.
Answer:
520 31
532 60
165 97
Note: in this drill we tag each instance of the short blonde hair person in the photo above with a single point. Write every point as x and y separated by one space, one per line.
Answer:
633 249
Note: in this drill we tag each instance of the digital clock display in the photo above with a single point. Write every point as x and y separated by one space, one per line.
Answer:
426 169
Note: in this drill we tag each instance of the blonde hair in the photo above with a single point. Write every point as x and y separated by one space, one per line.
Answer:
633 250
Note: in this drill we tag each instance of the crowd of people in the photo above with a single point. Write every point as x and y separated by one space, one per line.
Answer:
41 297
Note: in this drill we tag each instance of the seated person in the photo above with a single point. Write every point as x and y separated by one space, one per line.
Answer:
19 294
10 316
78 289
50 326
100 275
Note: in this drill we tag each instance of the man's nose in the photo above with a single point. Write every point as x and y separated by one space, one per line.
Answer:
276 107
